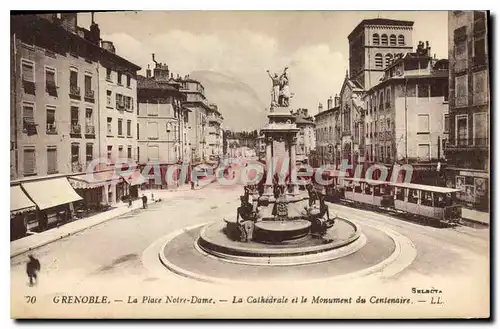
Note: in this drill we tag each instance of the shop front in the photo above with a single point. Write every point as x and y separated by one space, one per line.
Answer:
22 213
168 176
54 200
96 189
474 186
133 181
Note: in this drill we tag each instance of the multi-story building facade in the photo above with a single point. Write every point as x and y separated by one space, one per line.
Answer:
54 106
327 139
372 46
467 151
60 104
306 138
57 114
215 133
407 114
161 119
351 121
199 107
117 99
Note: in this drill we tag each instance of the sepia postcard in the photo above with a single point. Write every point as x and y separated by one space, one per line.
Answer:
250 164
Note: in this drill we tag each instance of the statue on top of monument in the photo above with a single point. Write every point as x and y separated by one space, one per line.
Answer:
280 94
276 88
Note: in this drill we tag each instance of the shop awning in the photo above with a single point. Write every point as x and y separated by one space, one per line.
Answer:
94 180
133 177
19 202
50 193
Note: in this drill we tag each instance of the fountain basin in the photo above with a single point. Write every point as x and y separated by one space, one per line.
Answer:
280 231
339 241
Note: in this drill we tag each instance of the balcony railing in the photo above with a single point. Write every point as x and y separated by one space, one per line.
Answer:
468 142
89 95
76 129
90 130
74 91
76 167
51 128
213 118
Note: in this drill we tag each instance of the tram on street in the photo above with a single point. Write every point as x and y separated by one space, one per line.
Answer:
432 202
371 193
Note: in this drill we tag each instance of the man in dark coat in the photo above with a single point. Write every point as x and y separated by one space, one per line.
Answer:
144 201
32 269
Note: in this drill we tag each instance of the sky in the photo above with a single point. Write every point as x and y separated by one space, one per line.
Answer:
243 45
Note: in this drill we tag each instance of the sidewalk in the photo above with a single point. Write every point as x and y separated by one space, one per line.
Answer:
182 188
38 240
476 216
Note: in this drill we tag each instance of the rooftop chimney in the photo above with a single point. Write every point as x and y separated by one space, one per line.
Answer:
160 71
148 72
320 108
337 101
330 103
69 22
95 32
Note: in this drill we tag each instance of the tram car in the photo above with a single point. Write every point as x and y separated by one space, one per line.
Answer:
433 203
371 193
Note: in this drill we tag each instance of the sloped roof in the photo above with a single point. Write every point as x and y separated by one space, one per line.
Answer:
152 83
327 112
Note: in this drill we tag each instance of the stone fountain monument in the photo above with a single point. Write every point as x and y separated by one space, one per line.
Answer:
277 223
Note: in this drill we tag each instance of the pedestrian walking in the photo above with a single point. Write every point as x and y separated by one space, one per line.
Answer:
32 269
130 201
144 201
152 197
192 185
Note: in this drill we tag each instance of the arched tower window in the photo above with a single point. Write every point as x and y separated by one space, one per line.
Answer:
392 40
379 60
376 39
388 59
401 40
384 39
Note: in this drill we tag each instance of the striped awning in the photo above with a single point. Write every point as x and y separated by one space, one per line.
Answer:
133 177
19 202
94 180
